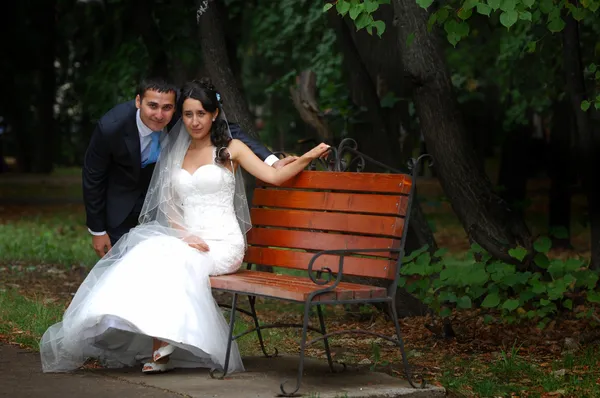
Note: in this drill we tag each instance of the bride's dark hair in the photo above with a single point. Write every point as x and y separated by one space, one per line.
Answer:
204 91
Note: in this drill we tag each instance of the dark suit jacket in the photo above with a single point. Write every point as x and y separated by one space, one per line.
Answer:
113 179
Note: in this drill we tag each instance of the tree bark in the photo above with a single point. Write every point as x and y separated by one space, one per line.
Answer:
304 96
45 143
485 216
514 167
560 172
216 61
378 143
153 40
587 144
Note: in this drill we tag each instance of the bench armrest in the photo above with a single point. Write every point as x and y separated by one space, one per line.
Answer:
342 253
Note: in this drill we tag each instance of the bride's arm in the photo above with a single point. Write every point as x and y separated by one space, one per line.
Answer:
253 165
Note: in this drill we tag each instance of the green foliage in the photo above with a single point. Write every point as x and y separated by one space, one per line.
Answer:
508 294
528 27
283 39
361 12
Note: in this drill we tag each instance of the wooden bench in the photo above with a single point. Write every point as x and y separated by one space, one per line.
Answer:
330 224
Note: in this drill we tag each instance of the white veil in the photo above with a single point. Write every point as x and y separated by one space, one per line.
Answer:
162 204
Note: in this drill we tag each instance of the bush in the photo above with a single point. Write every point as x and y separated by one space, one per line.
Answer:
503 291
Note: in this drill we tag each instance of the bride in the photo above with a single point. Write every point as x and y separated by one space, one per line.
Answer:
149 299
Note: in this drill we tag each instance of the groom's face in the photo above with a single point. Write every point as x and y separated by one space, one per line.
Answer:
156 109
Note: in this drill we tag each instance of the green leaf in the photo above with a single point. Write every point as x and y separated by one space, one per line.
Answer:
518 253
448 296
371 6
476 248
380 27
541 260
424 3
528 3
495 4
445 312
559 232
578 13
542 244
538 288
327 7
342 7
464 302
484 9
508 5
585 105
491 301
525 16
546 6
568 303
444 250
510 305
556 25
355 12
509 18
401 281
442 15
464 14
593 297
531 46
362 21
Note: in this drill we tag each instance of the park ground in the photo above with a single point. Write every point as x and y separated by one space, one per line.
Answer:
45 254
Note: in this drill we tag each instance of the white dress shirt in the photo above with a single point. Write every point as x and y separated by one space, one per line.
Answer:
145 141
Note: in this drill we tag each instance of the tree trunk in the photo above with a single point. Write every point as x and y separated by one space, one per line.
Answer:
153 41
587 144
486 217
377 144
44 131
561 174
514 167
216 61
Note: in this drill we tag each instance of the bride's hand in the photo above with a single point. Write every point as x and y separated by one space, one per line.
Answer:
320 151
196 243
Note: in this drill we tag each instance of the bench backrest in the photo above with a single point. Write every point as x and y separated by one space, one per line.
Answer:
320 210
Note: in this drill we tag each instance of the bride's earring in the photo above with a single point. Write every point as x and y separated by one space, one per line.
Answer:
214 119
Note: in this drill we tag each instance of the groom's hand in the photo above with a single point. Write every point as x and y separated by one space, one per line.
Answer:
282 162
101 244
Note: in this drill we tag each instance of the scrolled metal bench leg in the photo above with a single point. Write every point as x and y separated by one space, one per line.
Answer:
325 340
401 346
252 301
214 372
302 352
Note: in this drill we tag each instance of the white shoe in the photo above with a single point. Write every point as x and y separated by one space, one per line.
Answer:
162 352
153 367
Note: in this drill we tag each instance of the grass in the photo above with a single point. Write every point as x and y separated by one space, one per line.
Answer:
57 238
510 374
25 320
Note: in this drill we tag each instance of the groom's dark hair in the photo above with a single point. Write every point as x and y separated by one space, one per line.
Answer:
155 84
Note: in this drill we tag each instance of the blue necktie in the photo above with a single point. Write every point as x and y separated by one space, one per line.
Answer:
154 149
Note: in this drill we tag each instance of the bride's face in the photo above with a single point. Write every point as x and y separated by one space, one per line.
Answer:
197 120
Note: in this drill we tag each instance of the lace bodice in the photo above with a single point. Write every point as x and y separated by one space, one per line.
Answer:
207 198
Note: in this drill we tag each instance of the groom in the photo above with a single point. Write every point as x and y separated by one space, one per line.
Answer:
120 159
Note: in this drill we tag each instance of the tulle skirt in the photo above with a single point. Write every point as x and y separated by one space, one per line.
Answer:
151 284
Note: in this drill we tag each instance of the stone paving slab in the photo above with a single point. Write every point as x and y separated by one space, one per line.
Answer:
21 377
264 375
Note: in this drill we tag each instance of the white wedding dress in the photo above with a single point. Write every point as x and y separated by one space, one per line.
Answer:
159 288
